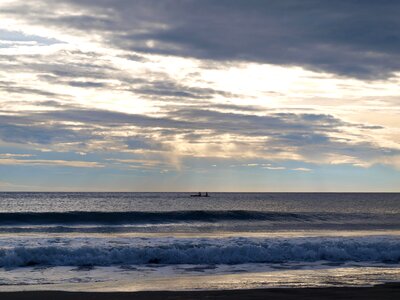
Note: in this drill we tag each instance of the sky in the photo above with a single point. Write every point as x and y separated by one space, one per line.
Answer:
190 95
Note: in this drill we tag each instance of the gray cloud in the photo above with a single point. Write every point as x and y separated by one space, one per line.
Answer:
86 84
15 88
311 136
109 118
145 143
91 70
196 119
164 89
308 128
256 125
41 134
351 38
61 65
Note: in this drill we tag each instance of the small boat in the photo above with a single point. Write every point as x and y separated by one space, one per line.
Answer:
200 195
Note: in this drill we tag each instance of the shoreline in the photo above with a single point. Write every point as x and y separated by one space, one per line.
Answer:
381 292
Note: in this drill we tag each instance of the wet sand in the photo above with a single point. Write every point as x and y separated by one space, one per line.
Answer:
381 292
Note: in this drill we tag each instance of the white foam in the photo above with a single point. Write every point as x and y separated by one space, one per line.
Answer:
170 251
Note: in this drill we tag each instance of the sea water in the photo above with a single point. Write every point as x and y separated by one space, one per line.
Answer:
171 241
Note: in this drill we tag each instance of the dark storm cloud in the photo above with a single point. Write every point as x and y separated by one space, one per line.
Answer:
352 38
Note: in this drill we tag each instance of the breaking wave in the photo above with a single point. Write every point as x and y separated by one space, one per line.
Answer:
206 251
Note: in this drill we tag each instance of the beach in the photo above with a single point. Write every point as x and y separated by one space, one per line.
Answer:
382 292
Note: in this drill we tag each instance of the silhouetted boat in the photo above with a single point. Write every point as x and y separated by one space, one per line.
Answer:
200 195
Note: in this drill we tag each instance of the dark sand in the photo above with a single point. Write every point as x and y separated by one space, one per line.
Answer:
381 292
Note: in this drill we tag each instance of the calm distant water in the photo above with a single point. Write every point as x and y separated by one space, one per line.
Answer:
128 241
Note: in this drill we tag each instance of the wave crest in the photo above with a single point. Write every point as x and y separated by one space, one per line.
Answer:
136 217
203 251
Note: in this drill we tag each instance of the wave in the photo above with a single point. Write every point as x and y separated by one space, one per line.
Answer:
133 217
206 251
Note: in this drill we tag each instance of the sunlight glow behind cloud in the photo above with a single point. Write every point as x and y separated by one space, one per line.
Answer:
81 77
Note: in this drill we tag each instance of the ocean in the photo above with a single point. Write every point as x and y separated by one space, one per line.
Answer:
171 241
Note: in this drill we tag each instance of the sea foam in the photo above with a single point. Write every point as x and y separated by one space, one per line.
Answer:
136 251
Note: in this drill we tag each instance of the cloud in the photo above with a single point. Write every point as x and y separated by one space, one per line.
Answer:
143 164
48 162
40 134
14 155
145 143
345 37
15 36
302 169
168 88
274 168
197 132
275 124
14 88
175 81
86 84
